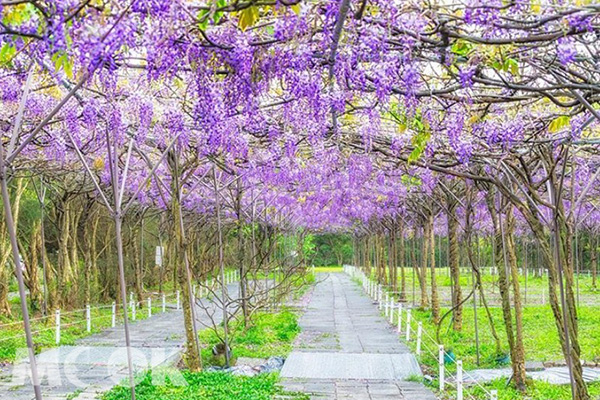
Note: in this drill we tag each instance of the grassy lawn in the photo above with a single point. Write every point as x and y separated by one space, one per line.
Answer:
536 390
537 287
206 386
540 336
270 335
331 268
540 332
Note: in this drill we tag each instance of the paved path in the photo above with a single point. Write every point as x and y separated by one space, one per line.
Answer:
99 362
346 350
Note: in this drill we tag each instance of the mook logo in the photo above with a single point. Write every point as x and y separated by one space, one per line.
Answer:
79 367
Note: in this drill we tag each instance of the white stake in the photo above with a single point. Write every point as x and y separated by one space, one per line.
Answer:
113 321
164 303
133 315
392 311
543 296
419 336
57 319
178 302
408 312
493 394
399 317
88 318
386 306
149 307
459 380
441 367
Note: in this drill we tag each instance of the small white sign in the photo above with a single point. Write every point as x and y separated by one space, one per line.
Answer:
159 255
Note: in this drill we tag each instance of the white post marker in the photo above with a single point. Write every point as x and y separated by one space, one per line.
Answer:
178 302
419 337
133 314
408 317
164 303
459 380
386 306
149 307
399 317
57 320
88 318
379 297
392 311
493 394
441 367
113 321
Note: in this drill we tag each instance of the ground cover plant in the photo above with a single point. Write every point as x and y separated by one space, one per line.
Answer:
207 386
269 334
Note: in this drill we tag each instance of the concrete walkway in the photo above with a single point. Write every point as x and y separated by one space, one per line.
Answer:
346 350
98 362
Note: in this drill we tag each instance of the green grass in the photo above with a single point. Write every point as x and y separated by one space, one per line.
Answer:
540 333
540 336
331 268
269 335
535 285
206 386
536 390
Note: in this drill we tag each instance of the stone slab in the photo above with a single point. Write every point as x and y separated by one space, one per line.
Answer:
350 366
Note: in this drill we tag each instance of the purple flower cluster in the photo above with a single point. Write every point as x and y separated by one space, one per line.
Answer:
482 12
565 51
466 75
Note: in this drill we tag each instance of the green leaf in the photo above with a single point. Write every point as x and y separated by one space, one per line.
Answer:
18 14
7 52
62 61
511 65
420 141
248 17
559 123
205 17
409 180
462 47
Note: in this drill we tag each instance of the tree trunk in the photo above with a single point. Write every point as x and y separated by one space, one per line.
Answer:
503 261
435 302
457 313
192 354
6 249
31 259
423 273
518 353
593 260
401 260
